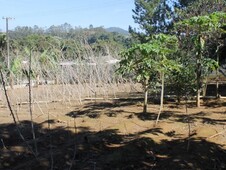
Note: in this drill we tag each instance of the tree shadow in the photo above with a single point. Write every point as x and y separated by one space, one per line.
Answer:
201 155
113 113
214 103
200 114
216 112
213 121
89 113
190 118
153 116
154 131
146 116
94 110
60 148
184 118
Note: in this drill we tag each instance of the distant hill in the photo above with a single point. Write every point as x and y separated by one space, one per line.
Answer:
118 30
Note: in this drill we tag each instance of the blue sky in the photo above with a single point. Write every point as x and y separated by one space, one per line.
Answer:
44 13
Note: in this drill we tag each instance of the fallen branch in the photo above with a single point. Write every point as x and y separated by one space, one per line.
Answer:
217 134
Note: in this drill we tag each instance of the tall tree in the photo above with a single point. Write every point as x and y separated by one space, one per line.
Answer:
153 16
191 8
158 16
198 29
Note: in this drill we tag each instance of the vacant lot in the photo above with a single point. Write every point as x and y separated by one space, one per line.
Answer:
114 134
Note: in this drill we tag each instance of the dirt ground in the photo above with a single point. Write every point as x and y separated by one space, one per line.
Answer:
114 134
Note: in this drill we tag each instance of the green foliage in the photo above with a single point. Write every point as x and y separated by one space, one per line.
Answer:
202 24
191 8
68 43
2 44
148 59
2 40
49 47
199 32
159 16
182 82
137 59
153 16
208 65
199 29
16 66
47 60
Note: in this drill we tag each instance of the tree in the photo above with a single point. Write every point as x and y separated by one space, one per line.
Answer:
153 17
182 83
159 16
190 8
198 29
165 45
149 60
139 61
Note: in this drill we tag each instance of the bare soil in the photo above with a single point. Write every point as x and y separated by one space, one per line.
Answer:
115 134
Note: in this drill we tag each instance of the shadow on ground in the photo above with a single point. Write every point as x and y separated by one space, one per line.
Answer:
94 110
153 116
60 148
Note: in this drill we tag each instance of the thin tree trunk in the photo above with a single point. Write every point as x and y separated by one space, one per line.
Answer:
145 96
205 87
189 124
198 90
30 107
198 74
217 83
11 82
161 99
37 80
162 90
178 99
198 98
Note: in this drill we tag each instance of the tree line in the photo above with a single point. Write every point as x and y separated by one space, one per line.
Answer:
56 44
